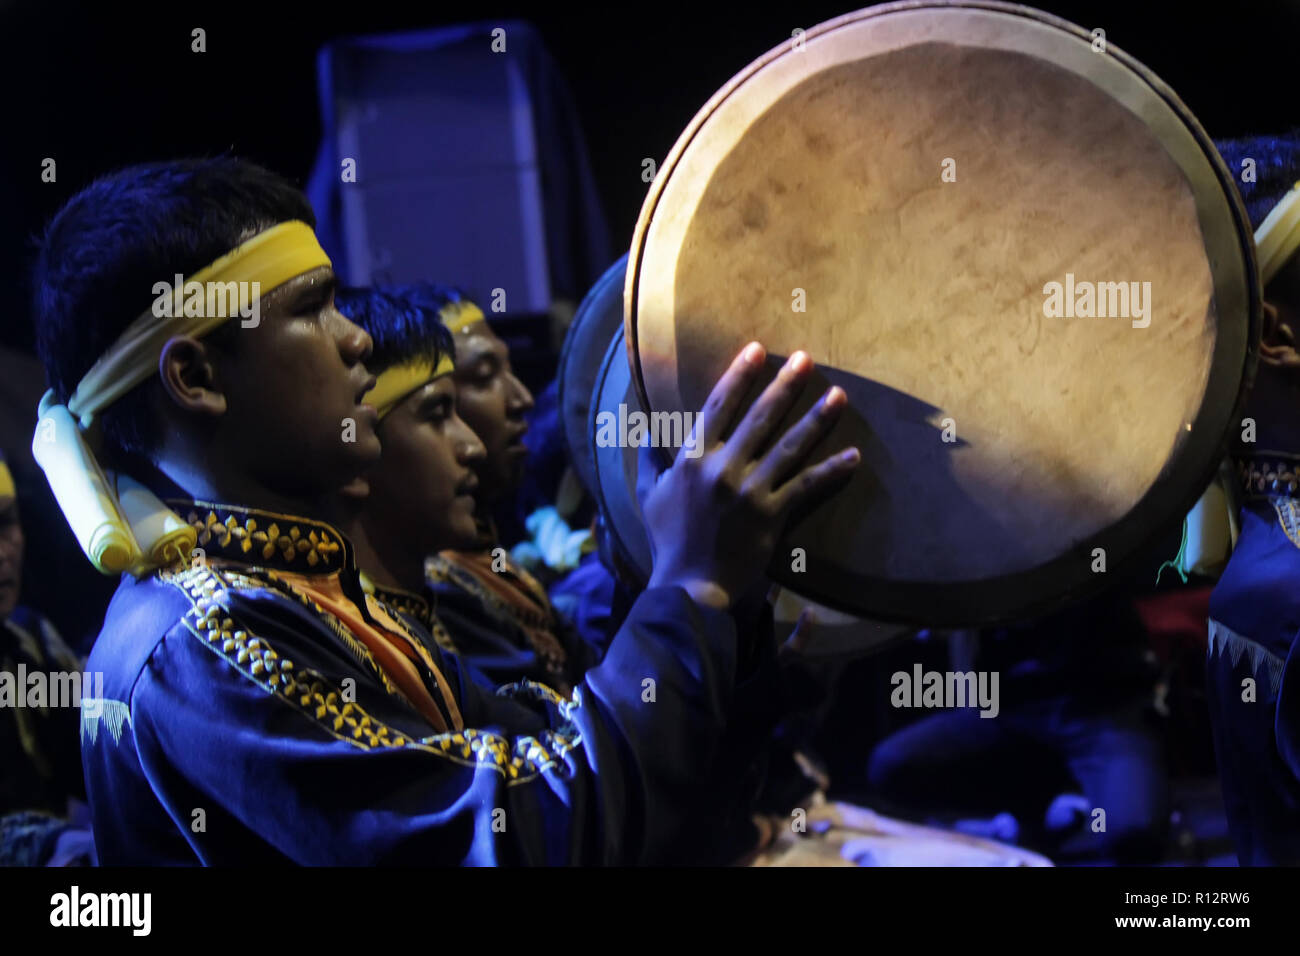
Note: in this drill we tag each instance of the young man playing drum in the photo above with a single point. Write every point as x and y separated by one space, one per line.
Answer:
257 706
422 501
1254 652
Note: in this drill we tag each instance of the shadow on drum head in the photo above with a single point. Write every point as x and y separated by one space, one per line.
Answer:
861 526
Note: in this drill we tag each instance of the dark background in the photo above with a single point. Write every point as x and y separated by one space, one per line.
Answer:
104 85
100 86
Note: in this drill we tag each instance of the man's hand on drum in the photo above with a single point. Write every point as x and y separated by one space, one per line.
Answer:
714 520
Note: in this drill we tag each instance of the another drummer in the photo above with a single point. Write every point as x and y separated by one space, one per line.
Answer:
479 604
442 549
1253 664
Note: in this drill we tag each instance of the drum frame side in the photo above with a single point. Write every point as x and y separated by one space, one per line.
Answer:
586 314
618 537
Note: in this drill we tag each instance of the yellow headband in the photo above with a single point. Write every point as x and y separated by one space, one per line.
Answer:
458 316
401 380
120 524
1278 236
7 489
269 259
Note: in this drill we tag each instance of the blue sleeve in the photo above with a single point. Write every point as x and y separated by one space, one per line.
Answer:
253 722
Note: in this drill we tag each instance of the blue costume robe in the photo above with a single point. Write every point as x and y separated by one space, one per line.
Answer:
243 724
1255 637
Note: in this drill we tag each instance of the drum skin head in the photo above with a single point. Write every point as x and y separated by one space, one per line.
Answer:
599 316
897 197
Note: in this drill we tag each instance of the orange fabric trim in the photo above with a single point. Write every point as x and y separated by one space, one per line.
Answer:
392 649
524 593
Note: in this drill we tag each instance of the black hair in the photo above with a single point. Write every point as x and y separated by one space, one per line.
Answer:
1276 169
102 253
403 321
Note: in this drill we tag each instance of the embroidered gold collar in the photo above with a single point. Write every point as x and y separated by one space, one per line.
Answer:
265 538
1269 474
407 602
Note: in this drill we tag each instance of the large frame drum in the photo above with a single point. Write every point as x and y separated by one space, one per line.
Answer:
1019 254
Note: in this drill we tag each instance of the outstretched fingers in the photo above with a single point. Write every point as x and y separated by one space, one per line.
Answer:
797 443
724 401
765 414
816 480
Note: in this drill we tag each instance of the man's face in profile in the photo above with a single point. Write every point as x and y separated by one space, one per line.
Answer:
294 388
422 490
493 403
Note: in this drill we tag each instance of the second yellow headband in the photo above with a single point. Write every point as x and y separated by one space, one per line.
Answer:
1278 236
458 316
394 384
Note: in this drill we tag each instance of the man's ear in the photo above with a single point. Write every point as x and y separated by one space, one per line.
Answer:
1280 335
189 377
1278 343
